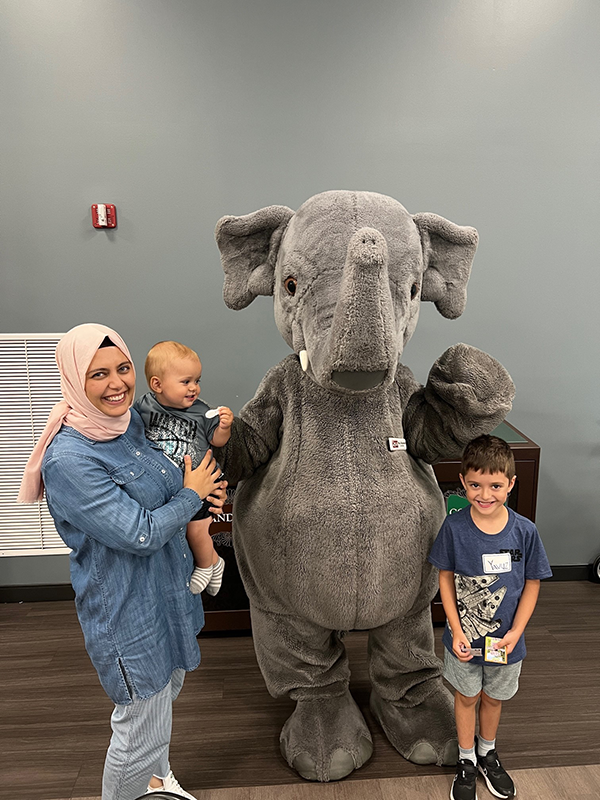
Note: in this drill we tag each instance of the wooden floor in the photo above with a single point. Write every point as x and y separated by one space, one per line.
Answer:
557 783
54 716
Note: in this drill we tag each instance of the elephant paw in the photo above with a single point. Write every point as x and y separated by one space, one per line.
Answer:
469 379
326 738
423 734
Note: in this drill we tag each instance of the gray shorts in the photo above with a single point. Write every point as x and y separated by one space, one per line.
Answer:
498 681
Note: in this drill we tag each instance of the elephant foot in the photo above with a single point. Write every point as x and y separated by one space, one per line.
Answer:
326 738
423 734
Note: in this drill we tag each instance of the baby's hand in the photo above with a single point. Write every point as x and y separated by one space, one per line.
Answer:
225 418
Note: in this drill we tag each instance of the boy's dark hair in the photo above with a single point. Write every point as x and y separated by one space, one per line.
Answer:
488 454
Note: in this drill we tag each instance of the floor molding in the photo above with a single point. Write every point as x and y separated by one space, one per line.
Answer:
64 591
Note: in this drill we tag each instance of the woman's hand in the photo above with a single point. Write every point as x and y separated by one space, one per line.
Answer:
218 497
202 479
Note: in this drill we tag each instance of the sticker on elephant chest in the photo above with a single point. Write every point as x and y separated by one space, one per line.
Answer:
396 444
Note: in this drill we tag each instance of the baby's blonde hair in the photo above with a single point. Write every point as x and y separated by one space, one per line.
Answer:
160 356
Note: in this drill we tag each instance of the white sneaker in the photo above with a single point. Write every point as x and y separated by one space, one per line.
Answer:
171 784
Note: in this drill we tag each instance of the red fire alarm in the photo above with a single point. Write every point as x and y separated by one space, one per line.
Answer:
104 215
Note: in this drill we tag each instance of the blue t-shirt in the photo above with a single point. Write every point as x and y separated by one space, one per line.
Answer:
487 590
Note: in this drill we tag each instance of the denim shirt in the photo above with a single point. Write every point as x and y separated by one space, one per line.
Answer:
120 506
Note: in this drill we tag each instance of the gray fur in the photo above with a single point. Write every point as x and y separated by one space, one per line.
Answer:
331 529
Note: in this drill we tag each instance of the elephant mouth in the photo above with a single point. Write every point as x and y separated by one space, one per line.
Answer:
358 381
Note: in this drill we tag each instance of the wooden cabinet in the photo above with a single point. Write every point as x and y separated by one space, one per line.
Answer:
228 611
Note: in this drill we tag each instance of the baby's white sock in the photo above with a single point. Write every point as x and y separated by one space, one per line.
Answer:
214 583
200 579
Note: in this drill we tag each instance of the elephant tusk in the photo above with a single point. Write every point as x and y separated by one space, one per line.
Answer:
303 359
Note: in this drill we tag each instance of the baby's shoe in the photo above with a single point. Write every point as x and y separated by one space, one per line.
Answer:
216 579
200 579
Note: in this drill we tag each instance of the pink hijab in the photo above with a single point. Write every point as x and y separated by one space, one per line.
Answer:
74 353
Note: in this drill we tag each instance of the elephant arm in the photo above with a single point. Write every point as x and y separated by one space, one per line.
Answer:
468 393
256 433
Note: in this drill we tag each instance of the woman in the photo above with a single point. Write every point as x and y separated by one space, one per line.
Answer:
122 507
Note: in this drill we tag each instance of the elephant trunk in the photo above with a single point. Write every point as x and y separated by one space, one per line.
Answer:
363 335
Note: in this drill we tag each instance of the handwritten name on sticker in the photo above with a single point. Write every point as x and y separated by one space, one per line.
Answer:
496 562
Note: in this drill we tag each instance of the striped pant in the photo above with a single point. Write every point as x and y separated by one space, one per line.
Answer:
139 746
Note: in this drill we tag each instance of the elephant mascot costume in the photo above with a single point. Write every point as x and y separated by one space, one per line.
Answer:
337 504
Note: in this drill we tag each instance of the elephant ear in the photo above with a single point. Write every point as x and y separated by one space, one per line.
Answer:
249 247
448 252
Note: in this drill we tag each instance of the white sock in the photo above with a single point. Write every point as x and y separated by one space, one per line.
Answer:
214 583
467 755
200 578
484 746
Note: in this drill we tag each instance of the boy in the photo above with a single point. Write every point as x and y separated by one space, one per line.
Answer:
491 561
176 420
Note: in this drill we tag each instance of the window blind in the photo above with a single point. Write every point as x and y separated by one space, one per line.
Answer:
29 387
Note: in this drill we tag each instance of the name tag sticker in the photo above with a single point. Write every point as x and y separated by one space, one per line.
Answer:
494 563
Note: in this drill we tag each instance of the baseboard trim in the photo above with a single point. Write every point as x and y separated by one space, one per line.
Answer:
571 572
36 594
64 591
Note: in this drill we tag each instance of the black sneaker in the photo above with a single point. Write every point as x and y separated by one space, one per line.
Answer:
497 778
465 781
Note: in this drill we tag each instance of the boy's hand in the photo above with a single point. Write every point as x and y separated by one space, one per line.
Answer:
225 418
461 646
509 640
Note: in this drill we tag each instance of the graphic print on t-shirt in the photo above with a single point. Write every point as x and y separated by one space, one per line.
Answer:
477 605
176 437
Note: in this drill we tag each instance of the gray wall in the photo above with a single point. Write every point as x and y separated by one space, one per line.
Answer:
485 112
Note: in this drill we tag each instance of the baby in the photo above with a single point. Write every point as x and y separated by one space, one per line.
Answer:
176 420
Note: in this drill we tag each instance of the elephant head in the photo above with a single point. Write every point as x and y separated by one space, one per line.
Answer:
347 273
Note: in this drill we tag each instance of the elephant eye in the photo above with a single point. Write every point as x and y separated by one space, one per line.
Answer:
414 291
290 284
